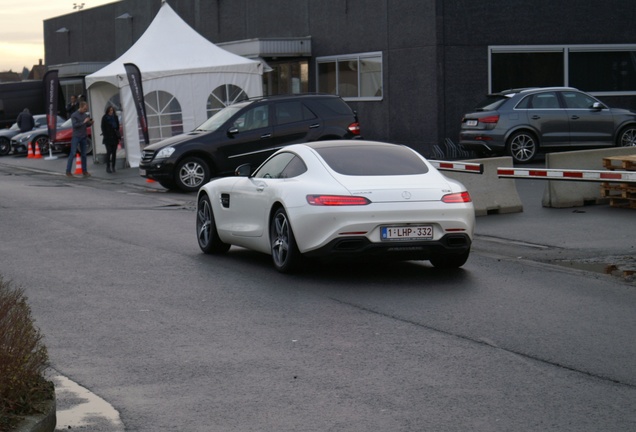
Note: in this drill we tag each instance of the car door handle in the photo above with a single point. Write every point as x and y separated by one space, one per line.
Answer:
535 117
260 187
314 126
265 136
574 117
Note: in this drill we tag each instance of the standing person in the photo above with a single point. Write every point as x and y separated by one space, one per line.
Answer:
110 131
80 121
72 106
25 121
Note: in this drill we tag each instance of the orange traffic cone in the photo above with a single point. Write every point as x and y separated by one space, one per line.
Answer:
37 154
78 165
29 152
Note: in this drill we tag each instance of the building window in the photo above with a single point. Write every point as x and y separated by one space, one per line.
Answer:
164 115
352 77
286 78
598 69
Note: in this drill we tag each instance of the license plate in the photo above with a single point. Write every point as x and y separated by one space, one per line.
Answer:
471 122
142 172
412 232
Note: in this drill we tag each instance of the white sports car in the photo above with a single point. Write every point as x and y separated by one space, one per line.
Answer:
333 199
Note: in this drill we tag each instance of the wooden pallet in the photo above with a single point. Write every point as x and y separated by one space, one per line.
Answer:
622 195
618 190
629 203
627 163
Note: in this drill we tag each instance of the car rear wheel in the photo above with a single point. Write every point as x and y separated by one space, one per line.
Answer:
285 253
627 137
207 235
450 261
5 146
522 146
192 173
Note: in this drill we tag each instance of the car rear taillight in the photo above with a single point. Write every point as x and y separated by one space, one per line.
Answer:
354 128
454 198
489 119
336 200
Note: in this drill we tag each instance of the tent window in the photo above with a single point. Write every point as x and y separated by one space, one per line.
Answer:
222 96
164 116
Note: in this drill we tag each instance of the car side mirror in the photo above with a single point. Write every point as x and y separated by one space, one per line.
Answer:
243 170
232 131
597 106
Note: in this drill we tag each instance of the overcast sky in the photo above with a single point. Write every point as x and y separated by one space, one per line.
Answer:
21 29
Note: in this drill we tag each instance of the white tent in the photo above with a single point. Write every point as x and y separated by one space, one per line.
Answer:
179 68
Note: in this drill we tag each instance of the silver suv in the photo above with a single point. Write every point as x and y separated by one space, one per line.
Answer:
521 122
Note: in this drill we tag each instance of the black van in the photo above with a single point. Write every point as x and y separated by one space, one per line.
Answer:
246 132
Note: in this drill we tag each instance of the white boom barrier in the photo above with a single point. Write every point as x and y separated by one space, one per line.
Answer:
568 175
490 195
465 167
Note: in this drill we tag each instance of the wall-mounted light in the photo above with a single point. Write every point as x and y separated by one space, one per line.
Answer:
125 16
62 30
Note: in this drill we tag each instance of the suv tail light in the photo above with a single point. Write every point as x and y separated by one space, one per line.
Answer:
490 119
454 198
354 128
336 200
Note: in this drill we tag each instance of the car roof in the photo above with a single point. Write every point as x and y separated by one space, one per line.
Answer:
286 96
528 90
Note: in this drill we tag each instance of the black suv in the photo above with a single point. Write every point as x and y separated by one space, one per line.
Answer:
246 132
523 121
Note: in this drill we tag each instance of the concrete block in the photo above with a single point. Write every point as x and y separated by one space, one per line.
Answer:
490 194
563 194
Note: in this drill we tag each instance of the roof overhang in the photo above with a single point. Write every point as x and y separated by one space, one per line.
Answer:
270 47
77 69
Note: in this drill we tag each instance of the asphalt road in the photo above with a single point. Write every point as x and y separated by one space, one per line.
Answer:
177 340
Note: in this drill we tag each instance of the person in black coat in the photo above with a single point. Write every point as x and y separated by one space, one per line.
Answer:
110 132
25 121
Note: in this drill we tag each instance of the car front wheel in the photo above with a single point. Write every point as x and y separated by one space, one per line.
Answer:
5 146
522 146
43 143
192 173
207 235
627 137
285 253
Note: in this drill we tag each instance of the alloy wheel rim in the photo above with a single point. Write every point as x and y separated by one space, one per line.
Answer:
280 244
629 138
191 174
522 147
204 219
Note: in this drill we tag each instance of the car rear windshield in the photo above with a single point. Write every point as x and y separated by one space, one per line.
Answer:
491 103
363 160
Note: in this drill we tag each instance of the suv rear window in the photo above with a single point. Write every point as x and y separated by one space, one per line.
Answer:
361 160
491 103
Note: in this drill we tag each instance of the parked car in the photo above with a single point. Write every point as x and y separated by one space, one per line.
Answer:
521 122
333 199
39 135
7 134
63 137
246 132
